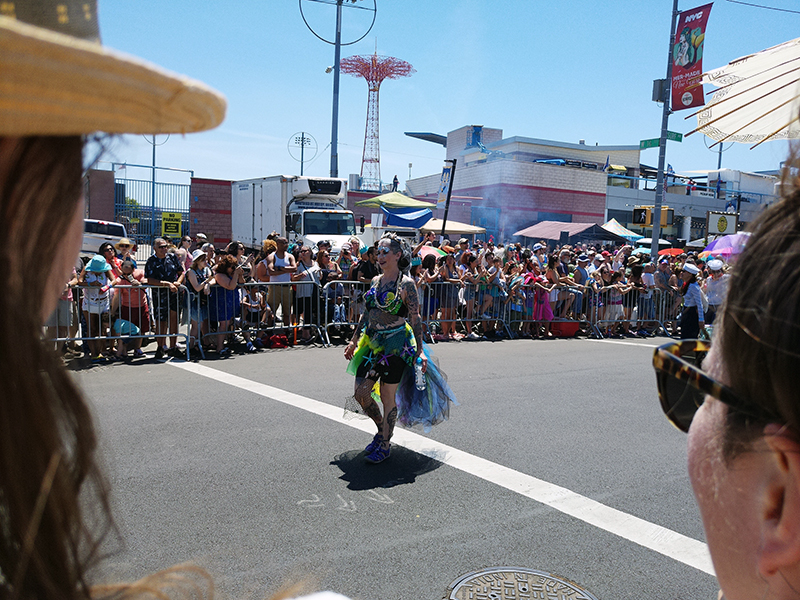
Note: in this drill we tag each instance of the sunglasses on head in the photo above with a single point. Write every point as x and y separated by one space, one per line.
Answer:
683 386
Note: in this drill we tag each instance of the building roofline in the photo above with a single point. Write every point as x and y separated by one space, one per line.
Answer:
541 142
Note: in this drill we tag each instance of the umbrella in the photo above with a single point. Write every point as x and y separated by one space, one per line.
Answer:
758 98
649 242
728 244
394 200
431 250
670 252
641 250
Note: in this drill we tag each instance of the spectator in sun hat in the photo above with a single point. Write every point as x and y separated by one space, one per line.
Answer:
716 288
124 248
692 318
96 279
463 247
58 86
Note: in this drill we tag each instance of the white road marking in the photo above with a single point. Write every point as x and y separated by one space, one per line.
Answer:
626 343
679 547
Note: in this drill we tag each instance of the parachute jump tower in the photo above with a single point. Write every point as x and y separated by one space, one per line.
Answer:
374 69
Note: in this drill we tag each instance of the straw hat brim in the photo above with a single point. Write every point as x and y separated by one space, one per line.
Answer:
56 84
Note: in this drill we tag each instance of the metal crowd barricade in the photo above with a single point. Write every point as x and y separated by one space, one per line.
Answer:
636 312
468 308
529 317
255 309
342 306
131 312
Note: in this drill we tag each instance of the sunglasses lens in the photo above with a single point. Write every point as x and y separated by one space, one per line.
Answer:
679 400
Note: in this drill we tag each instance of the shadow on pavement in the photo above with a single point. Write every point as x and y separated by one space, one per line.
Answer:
403 466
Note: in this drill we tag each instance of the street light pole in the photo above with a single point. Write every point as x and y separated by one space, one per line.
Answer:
335 118
662 147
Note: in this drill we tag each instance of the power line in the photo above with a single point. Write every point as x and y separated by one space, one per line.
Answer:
796 12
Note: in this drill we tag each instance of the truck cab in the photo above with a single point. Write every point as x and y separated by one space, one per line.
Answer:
306 210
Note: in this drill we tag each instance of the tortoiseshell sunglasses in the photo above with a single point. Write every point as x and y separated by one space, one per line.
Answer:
683 386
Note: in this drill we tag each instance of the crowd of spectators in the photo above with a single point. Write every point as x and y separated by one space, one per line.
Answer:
288 293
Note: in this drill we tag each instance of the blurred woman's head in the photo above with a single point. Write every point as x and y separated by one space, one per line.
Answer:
744 439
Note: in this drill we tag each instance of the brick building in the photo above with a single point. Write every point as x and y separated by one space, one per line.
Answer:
210 209
507 184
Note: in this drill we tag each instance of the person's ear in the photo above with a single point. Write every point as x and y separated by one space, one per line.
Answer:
780 518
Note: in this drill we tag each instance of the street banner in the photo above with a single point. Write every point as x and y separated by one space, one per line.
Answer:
444 186
687 58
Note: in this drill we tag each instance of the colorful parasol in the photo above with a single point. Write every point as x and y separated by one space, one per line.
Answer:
431 251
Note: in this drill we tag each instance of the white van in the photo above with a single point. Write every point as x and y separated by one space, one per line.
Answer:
96 233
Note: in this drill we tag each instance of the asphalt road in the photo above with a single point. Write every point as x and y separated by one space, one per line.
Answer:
221 467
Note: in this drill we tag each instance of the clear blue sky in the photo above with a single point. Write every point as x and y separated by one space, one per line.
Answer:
555 70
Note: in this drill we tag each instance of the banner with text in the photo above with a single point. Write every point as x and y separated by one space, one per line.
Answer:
444 186
687 58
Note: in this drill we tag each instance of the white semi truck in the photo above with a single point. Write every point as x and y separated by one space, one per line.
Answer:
304 209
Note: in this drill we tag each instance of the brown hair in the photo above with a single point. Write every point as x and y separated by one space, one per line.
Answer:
47 438
227 265
759 340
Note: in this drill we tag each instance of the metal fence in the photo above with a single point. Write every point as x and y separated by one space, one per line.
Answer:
113 321
268 314
140 206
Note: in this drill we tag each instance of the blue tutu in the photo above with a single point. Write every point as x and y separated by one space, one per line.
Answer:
415 407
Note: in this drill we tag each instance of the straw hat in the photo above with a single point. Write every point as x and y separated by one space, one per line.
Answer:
56 79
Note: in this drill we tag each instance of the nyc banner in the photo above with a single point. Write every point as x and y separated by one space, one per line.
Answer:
687 58
444 186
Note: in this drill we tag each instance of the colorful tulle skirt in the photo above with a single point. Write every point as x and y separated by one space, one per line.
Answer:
415 407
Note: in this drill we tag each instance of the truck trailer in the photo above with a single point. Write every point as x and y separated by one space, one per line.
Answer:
305 210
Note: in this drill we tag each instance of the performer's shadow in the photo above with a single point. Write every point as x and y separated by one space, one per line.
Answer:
401 467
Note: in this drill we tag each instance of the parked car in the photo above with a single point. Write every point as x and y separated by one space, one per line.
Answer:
96 232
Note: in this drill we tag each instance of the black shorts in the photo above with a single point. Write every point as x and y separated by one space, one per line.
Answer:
164 302
388 373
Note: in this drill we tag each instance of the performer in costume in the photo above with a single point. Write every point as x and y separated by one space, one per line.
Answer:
384 349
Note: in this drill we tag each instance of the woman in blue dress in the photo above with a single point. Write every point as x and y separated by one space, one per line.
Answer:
223 303
384 349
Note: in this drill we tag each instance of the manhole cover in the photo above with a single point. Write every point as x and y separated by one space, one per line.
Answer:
514 583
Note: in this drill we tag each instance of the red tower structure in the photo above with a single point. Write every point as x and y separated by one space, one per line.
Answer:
374 69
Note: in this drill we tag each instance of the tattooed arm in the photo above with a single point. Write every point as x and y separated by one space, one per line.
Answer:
411 298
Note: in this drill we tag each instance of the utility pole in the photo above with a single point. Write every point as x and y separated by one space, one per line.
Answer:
337 55
662 147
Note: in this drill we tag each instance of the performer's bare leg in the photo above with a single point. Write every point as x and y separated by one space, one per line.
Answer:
363 395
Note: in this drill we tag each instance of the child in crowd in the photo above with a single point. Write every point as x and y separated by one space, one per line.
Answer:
133 312
253 306
97 280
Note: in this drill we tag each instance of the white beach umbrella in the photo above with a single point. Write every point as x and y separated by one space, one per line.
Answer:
758 99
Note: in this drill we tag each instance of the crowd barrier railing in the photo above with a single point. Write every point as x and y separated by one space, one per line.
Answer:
131 313
342 306
635 311
105 318
539 311
451 310
254 310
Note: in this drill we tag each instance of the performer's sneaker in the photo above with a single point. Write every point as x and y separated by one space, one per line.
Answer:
380 454
374 444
